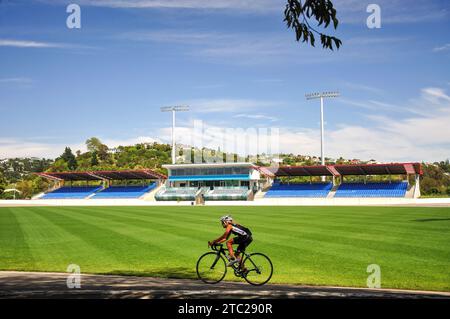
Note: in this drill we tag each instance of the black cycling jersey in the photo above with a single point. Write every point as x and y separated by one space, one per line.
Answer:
240 230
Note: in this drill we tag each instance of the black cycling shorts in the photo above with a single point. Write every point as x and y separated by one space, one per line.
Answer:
243 242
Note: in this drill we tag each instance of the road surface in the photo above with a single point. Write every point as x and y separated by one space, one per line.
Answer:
53 285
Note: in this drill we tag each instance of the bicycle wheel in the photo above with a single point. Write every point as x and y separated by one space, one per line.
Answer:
259 269
211 268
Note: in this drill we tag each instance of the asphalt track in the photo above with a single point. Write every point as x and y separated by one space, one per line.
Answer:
53 285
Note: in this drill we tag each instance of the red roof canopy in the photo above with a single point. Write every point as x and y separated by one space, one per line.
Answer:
380 169
102 175
319 170
348 169
70 176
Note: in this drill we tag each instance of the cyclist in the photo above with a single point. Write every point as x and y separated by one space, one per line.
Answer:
243 238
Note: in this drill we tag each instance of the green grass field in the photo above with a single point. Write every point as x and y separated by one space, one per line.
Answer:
308 245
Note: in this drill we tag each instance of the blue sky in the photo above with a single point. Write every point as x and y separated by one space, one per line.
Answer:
237 66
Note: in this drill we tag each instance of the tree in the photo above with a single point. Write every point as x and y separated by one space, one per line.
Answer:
445 165
298 14
434 180
26 188
2 183
69 158
94 160
59 165
94 144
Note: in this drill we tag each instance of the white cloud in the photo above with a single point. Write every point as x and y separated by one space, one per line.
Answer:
21 147
269 81
236 48
376 40
16 80
435 95
256 117
30 44
254 48
444 47
362 87
247 5
228 105
131 141
374 105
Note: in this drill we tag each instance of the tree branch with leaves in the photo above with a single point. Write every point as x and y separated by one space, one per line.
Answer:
298 15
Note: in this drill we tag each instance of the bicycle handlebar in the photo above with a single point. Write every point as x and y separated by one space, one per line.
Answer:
217 247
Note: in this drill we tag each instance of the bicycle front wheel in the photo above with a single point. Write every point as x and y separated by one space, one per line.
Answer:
259 269
211 268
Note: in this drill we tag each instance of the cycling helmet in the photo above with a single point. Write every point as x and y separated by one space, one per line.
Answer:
225 219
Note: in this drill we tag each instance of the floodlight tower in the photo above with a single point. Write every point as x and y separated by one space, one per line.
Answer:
174 109
322 95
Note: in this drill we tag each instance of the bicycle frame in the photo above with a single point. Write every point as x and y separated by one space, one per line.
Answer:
222 251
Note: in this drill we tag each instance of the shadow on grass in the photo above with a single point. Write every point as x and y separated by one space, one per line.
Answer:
170 272
431 219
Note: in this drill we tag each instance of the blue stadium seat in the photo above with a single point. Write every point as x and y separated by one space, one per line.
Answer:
124 191
76 192
299 190
395 189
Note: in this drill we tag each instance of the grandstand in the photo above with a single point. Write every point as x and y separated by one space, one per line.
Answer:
104 191
364 190
299 190
124 191
205 182
346 189
77 192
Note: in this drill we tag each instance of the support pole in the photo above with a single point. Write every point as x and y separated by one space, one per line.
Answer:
173 137
322 146
174 109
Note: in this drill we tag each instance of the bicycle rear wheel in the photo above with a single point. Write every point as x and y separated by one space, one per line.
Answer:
211 268
259 269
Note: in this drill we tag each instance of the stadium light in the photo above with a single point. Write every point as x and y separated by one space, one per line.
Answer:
321 96
174 109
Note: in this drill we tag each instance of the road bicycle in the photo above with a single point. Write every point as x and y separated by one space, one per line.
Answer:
255 268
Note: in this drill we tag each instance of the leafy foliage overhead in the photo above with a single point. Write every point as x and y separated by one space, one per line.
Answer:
298 15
